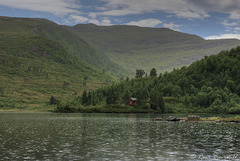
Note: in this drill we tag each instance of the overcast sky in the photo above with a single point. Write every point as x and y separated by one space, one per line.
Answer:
210 19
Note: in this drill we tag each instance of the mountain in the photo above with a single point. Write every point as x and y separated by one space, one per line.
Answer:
71 40
210 85
144 48
37 61
40 59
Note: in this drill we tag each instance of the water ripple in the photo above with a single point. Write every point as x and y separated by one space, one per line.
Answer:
38 136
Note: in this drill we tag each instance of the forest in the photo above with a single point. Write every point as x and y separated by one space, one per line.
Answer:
208 85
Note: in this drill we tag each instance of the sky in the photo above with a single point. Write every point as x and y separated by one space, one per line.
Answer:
210 19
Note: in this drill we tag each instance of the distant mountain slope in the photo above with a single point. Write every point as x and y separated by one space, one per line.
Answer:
69 39
209 85
72 41
36 64
137 47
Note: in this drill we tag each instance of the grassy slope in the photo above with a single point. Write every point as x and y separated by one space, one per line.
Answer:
34 65
135 47
72 41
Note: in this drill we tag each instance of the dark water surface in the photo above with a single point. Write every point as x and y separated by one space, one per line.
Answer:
51 136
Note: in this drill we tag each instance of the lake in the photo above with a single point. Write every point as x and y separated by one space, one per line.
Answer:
53 136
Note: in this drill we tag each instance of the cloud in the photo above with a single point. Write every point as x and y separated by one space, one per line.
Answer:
224 36
151 22
237 28
172 26
190 14
56 7
226 23
92 15
104 22
94 21
230 7
235 15
181 8
191 9
78 19
123 12
231 26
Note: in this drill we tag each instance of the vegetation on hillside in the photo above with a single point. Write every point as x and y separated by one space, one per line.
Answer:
70 40
34 66
40 60
209 85
135 47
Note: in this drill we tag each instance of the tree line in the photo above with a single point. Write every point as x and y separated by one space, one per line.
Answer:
208 85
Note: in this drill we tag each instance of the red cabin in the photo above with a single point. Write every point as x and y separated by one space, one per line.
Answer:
131 102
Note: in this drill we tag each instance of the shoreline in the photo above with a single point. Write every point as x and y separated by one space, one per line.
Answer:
27 110
235 119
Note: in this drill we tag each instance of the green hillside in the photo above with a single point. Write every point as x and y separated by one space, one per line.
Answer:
210 85
35 64
40 59
71 41
144 48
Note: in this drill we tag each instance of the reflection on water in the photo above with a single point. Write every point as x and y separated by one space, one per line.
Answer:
50 136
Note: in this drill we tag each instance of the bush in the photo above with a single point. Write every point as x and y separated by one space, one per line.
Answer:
53 101
234 110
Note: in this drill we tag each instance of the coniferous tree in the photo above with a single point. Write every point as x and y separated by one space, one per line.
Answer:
156 99
84 83
2 91
53 100
84 98
89 98
139 73
126 95
153 72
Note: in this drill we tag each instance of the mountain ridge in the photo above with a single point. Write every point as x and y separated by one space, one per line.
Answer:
150 47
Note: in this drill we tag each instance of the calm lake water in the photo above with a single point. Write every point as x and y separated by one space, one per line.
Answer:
51 136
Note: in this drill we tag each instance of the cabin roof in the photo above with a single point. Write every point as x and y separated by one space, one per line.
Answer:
134 99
